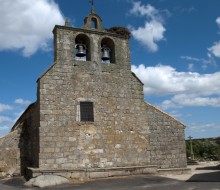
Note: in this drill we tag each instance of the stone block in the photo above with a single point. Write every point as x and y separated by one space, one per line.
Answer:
79 175
94 175
61 160
48 150
113 173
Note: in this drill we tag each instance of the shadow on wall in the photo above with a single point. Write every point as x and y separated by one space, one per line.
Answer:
29 146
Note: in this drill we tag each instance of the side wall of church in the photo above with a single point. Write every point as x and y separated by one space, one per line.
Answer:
19 149
10 153
167 140
29 138
119 134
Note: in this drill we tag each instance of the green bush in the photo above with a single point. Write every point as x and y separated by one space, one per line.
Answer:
204 149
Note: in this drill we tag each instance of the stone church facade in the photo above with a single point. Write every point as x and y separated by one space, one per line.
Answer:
90 118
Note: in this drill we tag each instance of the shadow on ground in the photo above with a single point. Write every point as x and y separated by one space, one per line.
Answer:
207 176
14 182
210 168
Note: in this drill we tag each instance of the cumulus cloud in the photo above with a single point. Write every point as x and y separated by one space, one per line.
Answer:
215 49
27 25
148 35
153 30
4 107
22 102
185 88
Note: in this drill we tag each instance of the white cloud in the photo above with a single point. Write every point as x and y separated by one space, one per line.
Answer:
27 25
5 119
215 49
197 128
186 88
218 20
148 35
22 102
153 30
3 128
210 61
190 58
183 100
143 10
4 107
191 67
165 80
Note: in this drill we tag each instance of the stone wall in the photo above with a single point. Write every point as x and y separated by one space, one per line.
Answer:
167 139
119 134
10 153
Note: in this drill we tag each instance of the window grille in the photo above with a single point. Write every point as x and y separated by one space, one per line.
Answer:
86 111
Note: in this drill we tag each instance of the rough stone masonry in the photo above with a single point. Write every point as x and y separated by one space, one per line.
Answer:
90 119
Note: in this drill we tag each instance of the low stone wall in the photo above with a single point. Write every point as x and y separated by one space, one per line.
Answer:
10 154
94 173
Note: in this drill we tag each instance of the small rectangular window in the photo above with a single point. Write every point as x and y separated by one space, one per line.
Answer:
86 111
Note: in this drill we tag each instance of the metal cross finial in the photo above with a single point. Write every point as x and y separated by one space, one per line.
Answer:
92 2
93 9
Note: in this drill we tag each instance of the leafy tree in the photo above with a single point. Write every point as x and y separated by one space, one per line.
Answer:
204 149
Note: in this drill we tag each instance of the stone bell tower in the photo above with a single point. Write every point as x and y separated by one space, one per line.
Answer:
92 43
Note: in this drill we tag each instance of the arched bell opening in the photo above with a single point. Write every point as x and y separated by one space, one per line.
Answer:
82 48
107 50
94 24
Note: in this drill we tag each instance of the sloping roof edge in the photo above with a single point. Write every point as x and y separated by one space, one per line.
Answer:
135 76
171 117
22 115
2 137
45 72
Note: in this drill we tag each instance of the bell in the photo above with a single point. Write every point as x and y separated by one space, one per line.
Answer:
80 50
105 54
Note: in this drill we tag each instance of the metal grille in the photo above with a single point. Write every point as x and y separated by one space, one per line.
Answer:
86 111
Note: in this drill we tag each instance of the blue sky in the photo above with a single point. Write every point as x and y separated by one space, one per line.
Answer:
175 51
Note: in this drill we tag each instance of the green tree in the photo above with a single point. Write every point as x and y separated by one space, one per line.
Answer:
204 149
